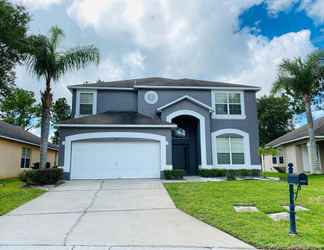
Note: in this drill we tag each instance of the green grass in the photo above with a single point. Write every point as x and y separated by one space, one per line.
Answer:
212 202
12 194
282 176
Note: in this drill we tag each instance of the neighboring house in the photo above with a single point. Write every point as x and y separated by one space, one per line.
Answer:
138 128
19 150
294 147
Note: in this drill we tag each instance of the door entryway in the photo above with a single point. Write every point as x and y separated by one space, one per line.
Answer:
185 149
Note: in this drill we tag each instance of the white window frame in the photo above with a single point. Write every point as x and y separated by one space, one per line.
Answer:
23 156
246 143
227 116
94 104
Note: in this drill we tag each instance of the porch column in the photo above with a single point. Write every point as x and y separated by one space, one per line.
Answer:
315 165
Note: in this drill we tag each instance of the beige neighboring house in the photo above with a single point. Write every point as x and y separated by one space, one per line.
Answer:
294 147
19 150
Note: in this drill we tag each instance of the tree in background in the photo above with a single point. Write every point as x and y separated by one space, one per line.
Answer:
275 116
61 111
301 80
48 62
13 42
19 108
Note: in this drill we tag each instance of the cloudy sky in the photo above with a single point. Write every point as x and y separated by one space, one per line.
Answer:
239 41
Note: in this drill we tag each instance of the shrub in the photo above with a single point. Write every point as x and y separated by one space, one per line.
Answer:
281 169
175 174
42 176
231 174
219 172
36 165
212 172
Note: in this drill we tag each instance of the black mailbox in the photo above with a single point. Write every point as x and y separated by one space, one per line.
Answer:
298 179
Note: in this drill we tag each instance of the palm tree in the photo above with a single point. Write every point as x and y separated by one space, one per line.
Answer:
301 80
263 151
46 61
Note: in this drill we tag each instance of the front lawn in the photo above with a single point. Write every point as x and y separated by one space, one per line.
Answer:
12 194
212 202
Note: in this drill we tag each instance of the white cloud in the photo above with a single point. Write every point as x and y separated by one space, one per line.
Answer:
37 4
276 6
110 71
149 23
135 60
180 39
265 56
314 9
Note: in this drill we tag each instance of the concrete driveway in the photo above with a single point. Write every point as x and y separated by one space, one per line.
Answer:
109 214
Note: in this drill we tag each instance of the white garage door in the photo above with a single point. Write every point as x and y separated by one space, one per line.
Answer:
115 159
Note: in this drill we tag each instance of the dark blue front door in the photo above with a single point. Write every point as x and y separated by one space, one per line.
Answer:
184 144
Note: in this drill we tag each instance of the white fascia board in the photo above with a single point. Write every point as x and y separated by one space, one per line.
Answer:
163 87
294 140
115 126
183 98
193 87
90 87
25 142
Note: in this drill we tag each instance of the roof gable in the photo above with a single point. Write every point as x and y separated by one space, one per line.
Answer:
186 97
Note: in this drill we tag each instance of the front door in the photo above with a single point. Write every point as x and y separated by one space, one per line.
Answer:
184 144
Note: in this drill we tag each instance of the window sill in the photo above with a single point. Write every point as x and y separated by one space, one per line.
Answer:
229 117
238 166
78 116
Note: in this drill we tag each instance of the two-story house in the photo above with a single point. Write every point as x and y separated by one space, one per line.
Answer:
138 128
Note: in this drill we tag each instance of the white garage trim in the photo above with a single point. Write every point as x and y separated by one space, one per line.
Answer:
246 142
101 135
202 126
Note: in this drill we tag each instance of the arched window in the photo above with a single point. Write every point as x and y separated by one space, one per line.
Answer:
231 147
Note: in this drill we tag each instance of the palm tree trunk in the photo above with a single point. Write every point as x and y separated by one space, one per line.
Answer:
45 123
315 166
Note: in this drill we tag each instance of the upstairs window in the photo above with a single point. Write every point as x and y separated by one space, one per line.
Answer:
86 103
25 158
228 104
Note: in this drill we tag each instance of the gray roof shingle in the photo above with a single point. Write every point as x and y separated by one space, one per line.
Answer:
161 82
16 133
115 118
299 134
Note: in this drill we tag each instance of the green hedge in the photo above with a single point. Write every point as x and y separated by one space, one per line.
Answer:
231 173
176 174
42 176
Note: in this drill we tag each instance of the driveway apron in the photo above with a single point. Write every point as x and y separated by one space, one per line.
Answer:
108 214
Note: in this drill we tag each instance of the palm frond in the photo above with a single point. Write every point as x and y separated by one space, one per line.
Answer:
56 36
77 58
283 84
37 57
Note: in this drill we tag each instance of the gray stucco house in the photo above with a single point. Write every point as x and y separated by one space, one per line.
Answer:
140 127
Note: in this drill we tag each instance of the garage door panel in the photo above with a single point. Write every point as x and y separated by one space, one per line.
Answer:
103 160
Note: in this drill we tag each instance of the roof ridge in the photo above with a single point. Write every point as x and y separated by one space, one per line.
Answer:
163 82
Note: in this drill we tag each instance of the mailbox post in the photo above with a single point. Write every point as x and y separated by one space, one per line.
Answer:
292 212
298 180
